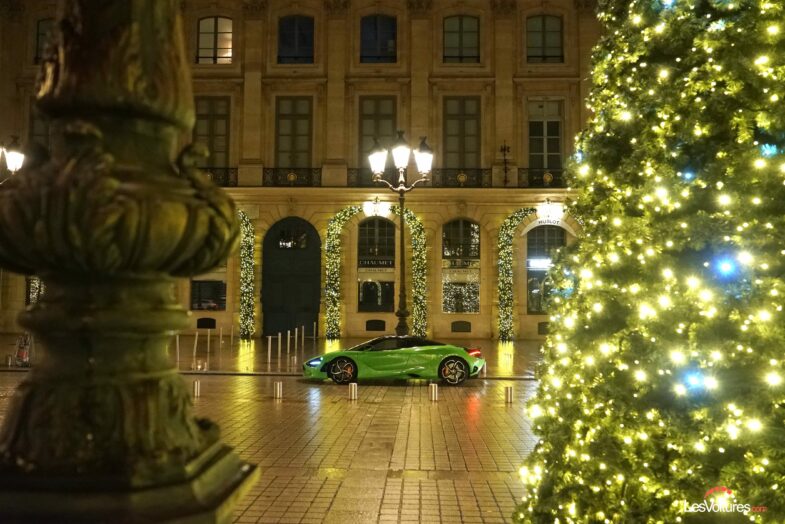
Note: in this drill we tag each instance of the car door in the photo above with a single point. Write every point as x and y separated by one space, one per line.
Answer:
386 357
424 354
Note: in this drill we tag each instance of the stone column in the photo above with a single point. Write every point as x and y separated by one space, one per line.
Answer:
504 44
102 430
251 165
421 57
334 166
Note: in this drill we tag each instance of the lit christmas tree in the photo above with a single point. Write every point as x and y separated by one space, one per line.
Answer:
663 375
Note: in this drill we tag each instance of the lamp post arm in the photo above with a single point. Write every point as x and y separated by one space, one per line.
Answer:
419 181
383 181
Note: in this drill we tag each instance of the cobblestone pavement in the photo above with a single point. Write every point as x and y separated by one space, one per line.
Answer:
390 456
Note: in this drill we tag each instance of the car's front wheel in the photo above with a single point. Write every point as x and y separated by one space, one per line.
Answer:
453 371
343 370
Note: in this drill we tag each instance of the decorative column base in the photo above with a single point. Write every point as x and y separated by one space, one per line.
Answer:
217 481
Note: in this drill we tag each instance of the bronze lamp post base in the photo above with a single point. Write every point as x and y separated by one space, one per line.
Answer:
217 480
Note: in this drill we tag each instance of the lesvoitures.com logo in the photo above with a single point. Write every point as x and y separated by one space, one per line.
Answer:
719 499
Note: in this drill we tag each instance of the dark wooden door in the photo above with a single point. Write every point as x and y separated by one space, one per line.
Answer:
290 276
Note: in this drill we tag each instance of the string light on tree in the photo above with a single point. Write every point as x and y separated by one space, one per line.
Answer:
247 295
674 327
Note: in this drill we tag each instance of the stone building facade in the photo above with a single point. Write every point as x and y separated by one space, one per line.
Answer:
289 96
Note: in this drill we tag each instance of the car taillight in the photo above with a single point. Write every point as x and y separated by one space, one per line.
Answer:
474 352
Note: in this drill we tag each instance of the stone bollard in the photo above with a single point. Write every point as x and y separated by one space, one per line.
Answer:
508 394
353 391
277 389
197 388
433 392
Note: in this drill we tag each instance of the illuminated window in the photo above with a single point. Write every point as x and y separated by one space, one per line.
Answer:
461 267
375 263
375 295
293 237
541 244
544 39
378 39
376 243
215 41
462 39
295 40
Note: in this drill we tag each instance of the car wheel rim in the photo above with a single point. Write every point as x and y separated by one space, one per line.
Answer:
454 371
343 371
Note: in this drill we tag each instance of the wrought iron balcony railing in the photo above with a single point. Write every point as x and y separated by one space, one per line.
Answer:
292 176
461 177
540 178
222 176
362 177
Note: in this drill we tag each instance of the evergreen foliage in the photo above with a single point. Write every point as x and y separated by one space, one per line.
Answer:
663 375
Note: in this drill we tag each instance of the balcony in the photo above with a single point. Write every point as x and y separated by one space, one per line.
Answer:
222 176
461 177
292 177
541 178
362 177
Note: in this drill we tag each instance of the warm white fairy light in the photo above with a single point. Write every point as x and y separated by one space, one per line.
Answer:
672 285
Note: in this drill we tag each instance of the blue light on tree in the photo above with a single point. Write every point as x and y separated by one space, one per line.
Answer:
768 150
668 3
726 267
695 380
687 175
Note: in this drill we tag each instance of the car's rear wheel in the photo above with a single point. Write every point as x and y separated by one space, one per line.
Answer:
342 370
453 371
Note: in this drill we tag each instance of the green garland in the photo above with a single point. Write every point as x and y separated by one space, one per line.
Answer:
506 296
419 268
247 240
332 279
333 253
35 289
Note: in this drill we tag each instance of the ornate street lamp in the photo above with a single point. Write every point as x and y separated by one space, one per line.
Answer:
401 153
14 158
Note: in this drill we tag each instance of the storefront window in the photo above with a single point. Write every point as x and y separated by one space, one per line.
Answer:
542 242
461 267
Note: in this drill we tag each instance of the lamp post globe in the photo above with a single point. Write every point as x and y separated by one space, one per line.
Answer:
14 158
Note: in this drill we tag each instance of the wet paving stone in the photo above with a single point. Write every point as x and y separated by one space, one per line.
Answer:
390 456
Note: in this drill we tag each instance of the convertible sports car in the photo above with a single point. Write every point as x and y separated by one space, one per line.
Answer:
397 357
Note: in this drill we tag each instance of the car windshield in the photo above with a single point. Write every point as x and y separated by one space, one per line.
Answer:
368 344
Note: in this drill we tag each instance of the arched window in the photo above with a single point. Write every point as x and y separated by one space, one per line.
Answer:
541 243
461 39
378 39
215 41
544 39
295 40
43 34
376 263
461 267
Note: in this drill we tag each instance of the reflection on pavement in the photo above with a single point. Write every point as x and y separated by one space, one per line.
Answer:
225 354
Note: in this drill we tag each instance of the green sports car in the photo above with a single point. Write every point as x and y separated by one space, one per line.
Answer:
397 357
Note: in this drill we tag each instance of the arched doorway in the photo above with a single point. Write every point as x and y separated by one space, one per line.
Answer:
290 276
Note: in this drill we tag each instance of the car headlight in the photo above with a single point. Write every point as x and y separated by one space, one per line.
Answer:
314 362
